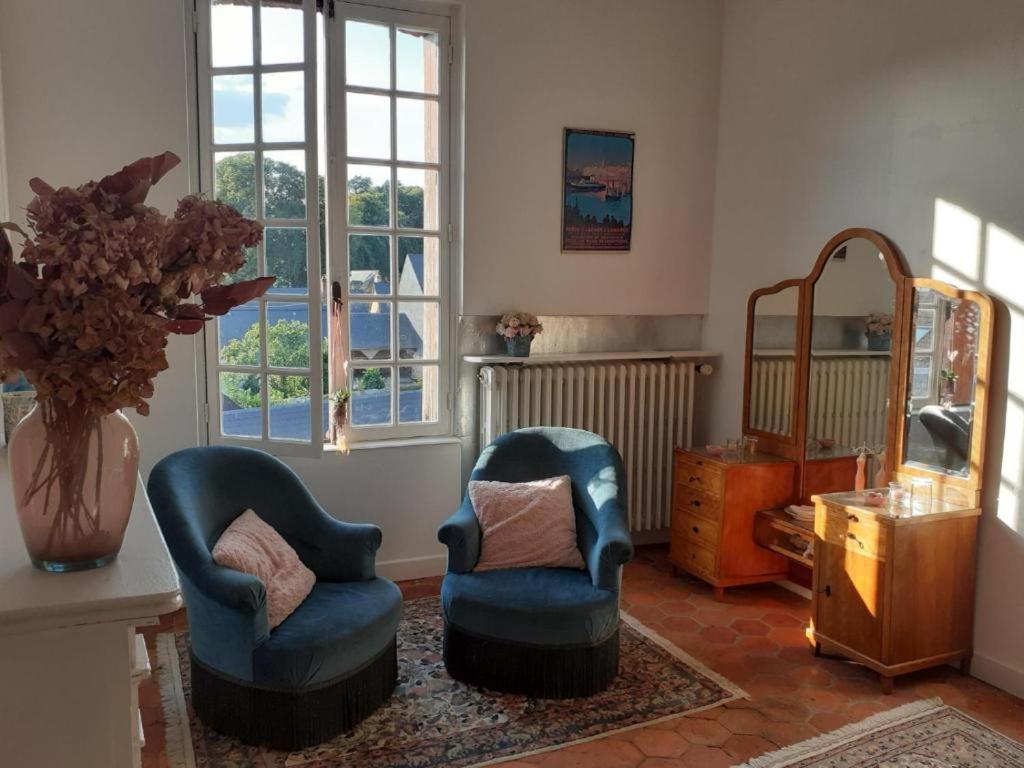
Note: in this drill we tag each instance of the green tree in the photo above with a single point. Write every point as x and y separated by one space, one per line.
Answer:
372 378
287 346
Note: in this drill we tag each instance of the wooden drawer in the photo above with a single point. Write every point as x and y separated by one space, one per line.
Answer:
697 529
694 558
699 474
692 502
856 534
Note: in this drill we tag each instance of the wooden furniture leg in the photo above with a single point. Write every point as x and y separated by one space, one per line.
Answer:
886 684
720 594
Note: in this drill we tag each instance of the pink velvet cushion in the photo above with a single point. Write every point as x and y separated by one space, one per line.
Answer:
251 546
526 525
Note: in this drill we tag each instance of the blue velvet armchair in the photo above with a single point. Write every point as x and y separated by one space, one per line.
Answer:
542 632
328 665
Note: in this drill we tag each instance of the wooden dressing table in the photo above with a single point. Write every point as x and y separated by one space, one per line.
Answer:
893 590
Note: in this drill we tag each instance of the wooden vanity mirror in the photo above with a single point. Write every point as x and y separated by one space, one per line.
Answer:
823 363
944 389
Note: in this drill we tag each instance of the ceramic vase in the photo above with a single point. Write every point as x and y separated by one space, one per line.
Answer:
73 474
519 346
879 342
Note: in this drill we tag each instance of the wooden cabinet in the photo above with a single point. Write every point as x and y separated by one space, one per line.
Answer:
714 504
893 592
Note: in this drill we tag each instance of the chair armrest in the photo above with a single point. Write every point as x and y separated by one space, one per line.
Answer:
612 549
461 534
231 589
335 550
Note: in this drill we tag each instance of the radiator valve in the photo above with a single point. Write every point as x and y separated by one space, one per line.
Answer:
705 369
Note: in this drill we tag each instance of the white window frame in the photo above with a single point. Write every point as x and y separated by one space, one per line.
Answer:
431 18
313 298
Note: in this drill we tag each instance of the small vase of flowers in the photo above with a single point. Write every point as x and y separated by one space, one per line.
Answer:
85 314
878 329
518 330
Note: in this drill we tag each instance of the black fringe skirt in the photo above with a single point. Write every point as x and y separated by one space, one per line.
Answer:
540 672
288 720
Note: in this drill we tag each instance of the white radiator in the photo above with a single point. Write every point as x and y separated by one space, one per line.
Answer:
644 409
847 398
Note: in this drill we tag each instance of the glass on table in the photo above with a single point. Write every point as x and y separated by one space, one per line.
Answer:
921 495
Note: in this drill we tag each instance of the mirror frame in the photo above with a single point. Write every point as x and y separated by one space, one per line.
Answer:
773 442
795 446
959 490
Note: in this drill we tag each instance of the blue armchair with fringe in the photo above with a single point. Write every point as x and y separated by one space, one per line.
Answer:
542 632
327 666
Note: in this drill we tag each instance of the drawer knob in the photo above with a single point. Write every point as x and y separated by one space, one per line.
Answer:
696 529
852 518
853 537
695 503
827 590
693 479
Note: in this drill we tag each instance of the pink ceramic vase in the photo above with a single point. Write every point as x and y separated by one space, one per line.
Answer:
74 475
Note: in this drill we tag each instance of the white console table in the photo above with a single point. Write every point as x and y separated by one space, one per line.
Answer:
70 660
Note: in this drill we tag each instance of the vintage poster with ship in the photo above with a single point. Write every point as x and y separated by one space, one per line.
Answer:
597 199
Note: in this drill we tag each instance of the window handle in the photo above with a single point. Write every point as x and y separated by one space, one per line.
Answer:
336 295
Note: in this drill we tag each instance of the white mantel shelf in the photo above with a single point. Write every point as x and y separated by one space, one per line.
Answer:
583 357
139 584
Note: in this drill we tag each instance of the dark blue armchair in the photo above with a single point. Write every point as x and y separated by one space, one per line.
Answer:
542 632
328 665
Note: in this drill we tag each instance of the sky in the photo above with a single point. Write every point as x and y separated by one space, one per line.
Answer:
367 64
587 149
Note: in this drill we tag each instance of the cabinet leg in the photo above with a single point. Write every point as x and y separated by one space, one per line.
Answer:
965 664
817 649
673 570
720 594
886 684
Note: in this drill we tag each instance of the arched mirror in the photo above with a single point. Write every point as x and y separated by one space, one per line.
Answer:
853 302
773 338
946 386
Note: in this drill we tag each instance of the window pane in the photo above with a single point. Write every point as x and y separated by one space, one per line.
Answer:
417 198
416 61
369 260
371 396
367 55
369 329
238 333
920 384
417 130
924 326
418 266
368 126
417 330
284 184
240 405
283 108
234 181
233 120
288 334
281 35
230 33
369 188
418 393
288 399
286 258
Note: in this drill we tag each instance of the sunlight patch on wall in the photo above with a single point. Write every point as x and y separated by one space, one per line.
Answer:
1008 506
956 239
1004 265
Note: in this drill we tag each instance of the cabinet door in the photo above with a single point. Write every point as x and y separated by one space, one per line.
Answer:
849 602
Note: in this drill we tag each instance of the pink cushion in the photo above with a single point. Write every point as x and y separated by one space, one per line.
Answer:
526 525
251 546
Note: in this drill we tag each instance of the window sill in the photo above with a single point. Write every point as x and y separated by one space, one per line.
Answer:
405 442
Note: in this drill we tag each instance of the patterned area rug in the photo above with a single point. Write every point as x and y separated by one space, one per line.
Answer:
923 734
433 720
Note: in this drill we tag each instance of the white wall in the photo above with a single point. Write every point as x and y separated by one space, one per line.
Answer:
904 117
535 67
87 90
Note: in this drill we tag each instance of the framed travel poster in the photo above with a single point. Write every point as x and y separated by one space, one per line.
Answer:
597 190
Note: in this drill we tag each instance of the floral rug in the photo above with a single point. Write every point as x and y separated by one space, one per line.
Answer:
923 734
433 720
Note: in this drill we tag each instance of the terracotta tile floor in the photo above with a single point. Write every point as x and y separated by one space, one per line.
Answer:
756 640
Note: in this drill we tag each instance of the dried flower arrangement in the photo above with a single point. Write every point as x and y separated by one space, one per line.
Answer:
103 280
878 324
513 324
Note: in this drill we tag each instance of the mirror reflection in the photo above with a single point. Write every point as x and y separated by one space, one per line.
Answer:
853 302
773 363
942 382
